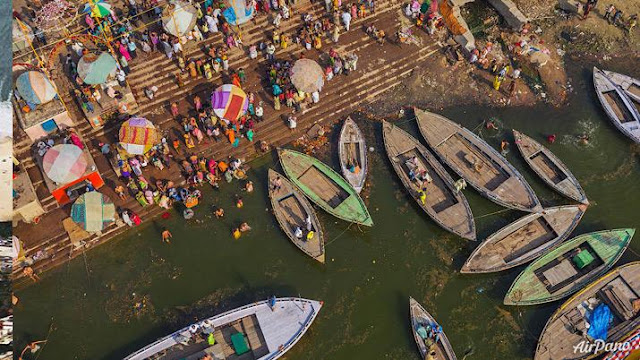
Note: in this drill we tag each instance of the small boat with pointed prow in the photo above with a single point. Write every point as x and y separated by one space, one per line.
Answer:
352 151
428 334
618 105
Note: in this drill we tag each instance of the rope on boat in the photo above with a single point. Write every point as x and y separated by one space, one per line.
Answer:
336 238
489 214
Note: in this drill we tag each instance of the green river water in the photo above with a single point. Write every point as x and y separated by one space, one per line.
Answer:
86 309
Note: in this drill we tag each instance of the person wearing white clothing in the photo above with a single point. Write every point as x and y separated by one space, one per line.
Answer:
315 96
346 19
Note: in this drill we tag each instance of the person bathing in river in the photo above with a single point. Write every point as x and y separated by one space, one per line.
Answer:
551 138
166 236
504 146
490 125
249 187
584 139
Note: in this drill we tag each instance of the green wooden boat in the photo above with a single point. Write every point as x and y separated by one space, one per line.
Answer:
569 267
325 187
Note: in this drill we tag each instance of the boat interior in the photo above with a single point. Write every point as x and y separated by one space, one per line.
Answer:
292 211
439 196
322 185
550 169
634 89
238 340
619 296
473 160
617 105
529 237
352 155
568 267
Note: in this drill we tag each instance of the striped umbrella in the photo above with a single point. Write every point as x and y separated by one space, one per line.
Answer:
229 102
179 18
138 135
93 211
64 163
35 88
97 8
95 69
307 75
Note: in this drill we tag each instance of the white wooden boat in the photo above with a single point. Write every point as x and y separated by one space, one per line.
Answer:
421 318
618 105
259 331
631 86
352 151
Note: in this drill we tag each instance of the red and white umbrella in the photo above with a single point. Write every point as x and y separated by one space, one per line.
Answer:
64 163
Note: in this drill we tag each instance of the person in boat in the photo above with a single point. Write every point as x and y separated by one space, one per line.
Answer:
423 196
166 236
236 233
412 175
308 222
244 227
219 212
460 185
298 232
277 183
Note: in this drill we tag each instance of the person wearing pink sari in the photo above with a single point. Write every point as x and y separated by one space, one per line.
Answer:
89 20
124 52
198 134
75 139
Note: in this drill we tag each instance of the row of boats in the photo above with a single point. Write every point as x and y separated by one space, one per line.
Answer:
267 329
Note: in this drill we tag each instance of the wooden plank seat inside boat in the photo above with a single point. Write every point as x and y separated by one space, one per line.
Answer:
620 297
470 158
323 186
618 107
634 89
292 210
546 165
515 244
438 196
574 321
248 327
563 270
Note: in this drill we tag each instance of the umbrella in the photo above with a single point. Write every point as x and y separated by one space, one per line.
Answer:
95 69
237 12
22 35
97 8
307 75
35 88
93 211
138 135
64 163
179 18
229 102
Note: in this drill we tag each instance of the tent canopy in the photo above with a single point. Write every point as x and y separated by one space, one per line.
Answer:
229 102
95 69
179 18
138 135
35 88
307 75
93 211
64 163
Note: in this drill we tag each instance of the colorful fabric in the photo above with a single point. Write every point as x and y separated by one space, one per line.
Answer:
35 88
307 76
95 69
634 345
97 8
137 136
229 102
179 18
64 163
93 211
237 12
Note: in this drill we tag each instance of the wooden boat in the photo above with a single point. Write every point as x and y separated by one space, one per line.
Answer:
617 105
325 187
524 239
477 162
631 86
550 169
566 329
352 150
443 204
292 209
259 331
567 268
420 318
